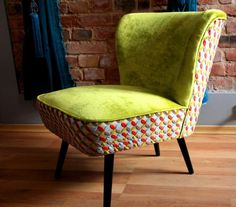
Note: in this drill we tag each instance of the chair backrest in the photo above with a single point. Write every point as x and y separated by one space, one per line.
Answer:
159 51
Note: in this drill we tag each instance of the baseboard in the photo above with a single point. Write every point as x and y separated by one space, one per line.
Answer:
213 129
23 128
200 129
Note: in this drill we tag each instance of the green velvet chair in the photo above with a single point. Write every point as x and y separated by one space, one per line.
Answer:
164 62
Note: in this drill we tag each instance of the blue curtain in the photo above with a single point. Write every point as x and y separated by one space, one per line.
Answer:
182 5
45 68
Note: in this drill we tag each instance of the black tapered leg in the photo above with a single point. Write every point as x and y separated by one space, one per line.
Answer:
157 149
108 172
61 158
185 154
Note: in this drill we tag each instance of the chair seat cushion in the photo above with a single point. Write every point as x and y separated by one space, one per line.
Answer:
103 103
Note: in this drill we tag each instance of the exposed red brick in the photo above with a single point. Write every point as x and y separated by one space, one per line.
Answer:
88 61
231 69
95 20
84 83
63 7
225 1
66 34
89 28
224 42
233 41
111 46
77 7
81 34
218 56
116 18
94 74
158 2
101 5
17 35
230 55
86 47
210 2
218 69
104 33
143 4
222 83
14 8
112 75
73 61
229 9
72 48
231 26
18 55
125 5
70 21
76 74
17 49
108 61
16 22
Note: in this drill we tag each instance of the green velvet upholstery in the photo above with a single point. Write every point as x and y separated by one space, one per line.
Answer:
107 103
157 54
159 51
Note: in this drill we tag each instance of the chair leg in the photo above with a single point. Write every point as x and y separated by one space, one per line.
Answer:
61 158
157 149
108 172
185 154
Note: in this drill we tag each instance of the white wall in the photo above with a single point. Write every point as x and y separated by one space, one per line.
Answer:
220 110
13 108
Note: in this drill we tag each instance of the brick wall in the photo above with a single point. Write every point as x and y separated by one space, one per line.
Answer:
89 28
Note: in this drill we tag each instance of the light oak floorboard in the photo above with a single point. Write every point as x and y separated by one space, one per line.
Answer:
28 159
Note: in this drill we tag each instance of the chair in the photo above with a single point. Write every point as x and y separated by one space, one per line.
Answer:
164 62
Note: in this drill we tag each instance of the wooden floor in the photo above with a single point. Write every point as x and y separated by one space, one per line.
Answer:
27 162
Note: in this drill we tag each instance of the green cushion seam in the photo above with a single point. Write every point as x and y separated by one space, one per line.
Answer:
108 120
